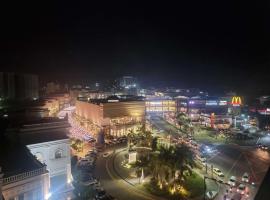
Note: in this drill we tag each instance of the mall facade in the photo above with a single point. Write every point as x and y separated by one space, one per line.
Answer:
215 112
115 116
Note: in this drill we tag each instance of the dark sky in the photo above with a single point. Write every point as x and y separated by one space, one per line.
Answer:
196 44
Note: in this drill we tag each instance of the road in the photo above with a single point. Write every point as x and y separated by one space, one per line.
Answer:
232 160
113 183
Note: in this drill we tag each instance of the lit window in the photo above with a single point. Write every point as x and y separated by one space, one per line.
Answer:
58 154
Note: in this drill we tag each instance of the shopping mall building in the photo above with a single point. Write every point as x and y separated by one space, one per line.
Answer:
216 112
115 115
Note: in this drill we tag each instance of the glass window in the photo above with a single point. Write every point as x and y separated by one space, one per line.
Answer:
58 154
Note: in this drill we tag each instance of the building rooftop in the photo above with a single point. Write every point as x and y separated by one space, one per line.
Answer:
42 136
43 131
15 158
113 99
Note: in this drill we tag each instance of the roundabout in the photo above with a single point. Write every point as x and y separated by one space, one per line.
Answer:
116 178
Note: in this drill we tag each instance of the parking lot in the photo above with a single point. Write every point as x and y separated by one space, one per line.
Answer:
86 184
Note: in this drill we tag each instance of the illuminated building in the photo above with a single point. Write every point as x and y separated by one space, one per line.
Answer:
87 94
216 121
116 116
129 85
160 106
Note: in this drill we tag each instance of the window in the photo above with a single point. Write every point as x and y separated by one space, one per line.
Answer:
58 154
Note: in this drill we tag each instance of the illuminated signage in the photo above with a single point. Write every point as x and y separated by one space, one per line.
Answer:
236 101
156 103
211 103
113 100
264 111
222 103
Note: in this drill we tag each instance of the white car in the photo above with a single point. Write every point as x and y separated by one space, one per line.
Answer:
241 189
245 177
232 181
218 172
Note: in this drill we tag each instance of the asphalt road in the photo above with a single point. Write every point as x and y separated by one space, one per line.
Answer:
113 183
232 160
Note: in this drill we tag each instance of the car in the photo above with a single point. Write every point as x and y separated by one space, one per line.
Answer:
84 162
232 181
218 172
87 179
259 145
105 155
264 147
98 187
100 194
211 194
245 177
242 189
236 196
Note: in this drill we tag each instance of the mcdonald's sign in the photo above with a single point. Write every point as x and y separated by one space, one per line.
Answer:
236 101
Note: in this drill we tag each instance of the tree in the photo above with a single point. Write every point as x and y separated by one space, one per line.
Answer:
154 143
182 120
184 162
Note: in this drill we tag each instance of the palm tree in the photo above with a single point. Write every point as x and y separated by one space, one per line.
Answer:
182 119
184 162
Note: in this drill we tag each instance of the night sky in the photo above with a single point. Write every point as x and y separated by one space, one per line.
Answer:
201 44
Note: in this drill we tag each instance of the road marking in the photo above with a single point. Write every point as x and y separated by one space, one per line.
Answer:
234 164
251 169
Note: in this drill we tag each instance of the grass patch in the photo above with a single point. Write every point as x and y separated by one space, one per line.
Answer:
208 137
194 184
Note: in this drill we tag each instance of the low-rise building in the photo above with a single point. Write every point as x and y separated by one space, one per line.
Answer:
48 142
22 176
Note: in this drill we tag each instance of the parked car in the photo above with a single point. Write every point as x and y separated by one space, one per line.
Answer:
218 172
242 189
100 194
245 177
264 147
87 179
232 181
236 196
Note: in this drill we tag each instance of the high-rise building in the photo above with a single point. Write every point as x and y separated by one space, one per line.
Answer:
128 82
18 86
129 85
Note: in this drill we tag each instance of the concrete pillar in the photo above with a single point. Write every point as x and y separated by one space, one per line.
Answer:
46 186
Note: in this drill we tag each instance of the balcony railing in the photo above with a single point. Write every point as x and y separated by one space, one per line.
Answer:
23 176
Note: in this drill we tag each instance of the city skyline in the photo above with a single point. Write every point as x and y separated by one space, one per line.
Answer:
209 45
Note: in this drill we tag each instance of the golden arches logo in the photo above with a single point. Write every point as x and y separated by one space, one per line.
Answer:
236 101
